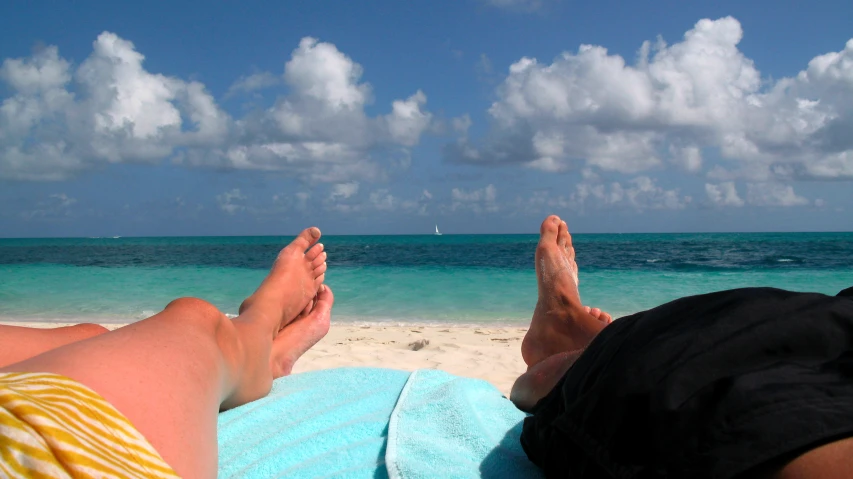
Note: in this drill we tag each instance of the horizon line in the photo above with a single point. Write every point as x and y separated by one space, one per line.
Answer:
424 234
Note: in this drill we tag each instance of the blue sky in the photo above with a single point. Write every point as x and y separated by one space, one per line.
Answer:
387 117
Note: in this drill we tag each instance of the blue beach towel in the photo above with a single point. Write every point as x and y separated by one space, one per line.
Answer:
374 423
447 426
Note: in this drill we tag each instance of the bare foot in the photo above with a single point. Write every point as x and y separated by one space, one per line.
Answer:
294 280
560 322
542 376
302 333
284 294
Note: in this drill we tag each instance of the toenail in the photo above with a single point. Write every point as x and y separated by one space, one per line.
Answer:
315 232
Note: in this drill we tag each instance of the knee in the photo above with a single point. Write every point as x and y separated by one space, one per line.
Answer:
197 316
87 330
194 308
194 305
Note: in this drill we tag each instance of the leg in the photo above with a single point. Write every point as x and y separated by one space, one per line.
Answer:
19 343
171 374
560 331
830 461
561 327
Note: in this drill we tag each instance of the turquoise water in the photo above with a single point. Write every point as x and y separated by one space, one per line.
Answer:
413 279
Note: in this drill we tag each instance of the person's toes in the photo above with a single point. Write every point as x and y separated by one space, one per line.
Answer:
314 252
325 300
281 296
549 228
318 261
570 248
598 314
563 234
320 279
320 270
306 238
569 251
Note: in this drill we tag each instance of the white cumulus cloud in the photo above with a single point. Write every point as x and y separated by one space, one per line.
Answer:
591 108
253 82
382 200
773 194
723 194
640 193
407 120
64 201
60 120
478 200
231 201
343 190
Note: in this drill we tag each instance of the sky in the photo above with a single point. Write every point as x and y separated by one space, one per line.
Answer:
481 116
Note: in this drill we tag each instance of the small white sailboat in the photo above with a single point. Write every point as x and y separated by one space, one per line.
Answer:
437 233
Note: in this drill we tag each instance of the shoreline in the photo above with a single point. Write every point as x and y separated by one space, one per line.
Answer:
337 320
491 353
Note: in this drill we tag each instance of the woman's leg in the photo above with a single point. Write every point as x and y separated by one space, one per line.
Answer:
18 343
172 373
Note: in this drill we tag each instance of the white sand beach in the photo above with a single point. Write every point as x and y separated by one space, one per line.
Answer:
489 353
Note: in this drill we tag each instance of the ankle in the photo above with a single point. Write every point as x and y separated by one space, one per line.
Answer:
246 356
261 313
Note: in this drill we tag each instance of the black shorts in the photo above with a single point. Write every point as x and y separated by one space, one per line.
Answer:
713 386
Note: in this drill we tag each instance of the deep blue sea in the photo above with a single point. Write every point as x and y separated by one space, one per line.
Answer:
460 279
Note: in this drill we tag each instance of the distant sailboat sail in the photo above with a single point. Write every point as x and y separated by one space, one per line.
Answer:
436 231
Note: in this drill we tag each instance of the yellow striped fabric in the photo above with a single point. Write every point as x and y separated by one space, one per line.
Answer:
52 426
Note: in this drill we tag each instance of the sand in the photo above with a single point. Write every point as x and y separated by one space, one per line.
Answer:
489 353
492 354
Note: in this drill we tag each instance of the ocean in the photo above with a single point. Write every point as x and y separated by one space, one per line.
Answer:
449 279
